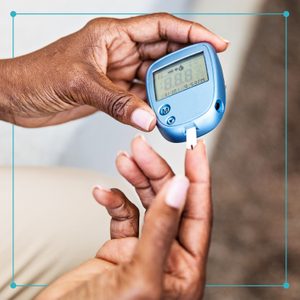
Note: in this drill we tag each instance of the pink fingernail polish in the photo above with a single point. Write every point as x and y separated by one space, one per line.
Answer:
177 190
142 118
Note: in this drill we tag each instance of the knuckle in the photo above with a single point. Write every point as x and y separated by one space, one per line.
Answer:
163 15
100 251
118 105
126 209
135 210
95 23
101 28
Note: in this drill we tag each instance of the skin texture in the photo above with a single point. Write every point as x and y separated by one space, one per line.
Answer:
100 67
168 261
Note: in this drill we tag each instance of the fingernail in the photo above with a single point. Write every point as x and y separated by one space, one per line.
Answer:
224 40
177 191
99 187
142 118
140 136
123 153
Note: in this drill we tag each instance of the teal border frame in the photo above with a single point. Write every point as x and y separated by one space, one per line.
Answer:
285 14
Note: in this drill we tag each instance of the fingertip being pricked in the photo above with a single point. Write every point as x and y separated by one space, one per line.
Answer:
196 163
200 147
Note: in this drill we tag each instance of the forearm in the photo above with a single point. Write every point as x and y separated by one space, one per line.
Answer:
19 96
5 86
10 87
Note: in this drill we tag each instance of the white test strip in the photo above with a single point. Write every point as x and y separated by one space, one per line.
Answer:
191 138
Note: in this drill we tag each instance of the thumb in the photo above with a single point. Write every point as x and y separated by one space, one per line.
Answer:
122 105
161 226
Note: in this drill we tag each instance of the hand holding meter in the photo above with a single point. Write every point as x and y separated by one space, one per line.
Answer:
186 90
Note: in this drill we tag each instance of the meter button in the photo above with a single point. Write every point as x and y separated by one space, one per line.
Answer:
164 110
171 120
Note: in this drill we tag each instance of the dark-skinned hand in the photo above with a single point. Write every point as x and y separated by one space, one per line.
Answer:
169 259
101 67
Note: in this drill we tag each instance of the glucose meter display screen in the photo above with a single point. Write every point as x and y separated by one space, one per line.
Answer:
180 76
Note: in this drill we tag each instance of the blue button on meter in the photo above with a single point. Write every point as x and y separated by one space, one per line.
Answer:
171 120
190 83
165 109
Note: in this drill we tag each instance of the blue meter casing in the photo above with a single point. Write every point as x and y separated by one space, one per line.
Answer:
186 89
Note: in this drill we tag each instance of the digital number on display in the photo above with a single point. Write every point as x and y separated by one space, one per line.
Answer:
180 76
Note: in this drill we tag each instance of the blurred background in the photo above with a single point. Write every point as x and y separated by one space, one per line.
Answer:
246 152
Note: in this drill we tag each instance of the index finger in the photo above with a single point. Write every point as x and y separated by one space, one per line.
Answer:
163 26
195 229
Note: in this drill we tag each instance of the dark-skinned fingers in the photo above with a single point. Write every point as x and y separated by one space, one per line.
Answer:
139 90
196 224
195 230
163 26
142 70
122 84
153 51
122 70
124 214
160 228
119 103
155 168
133 174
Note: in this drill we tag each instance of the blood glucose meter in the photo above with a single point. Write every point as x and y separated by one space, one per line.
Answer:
186 90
